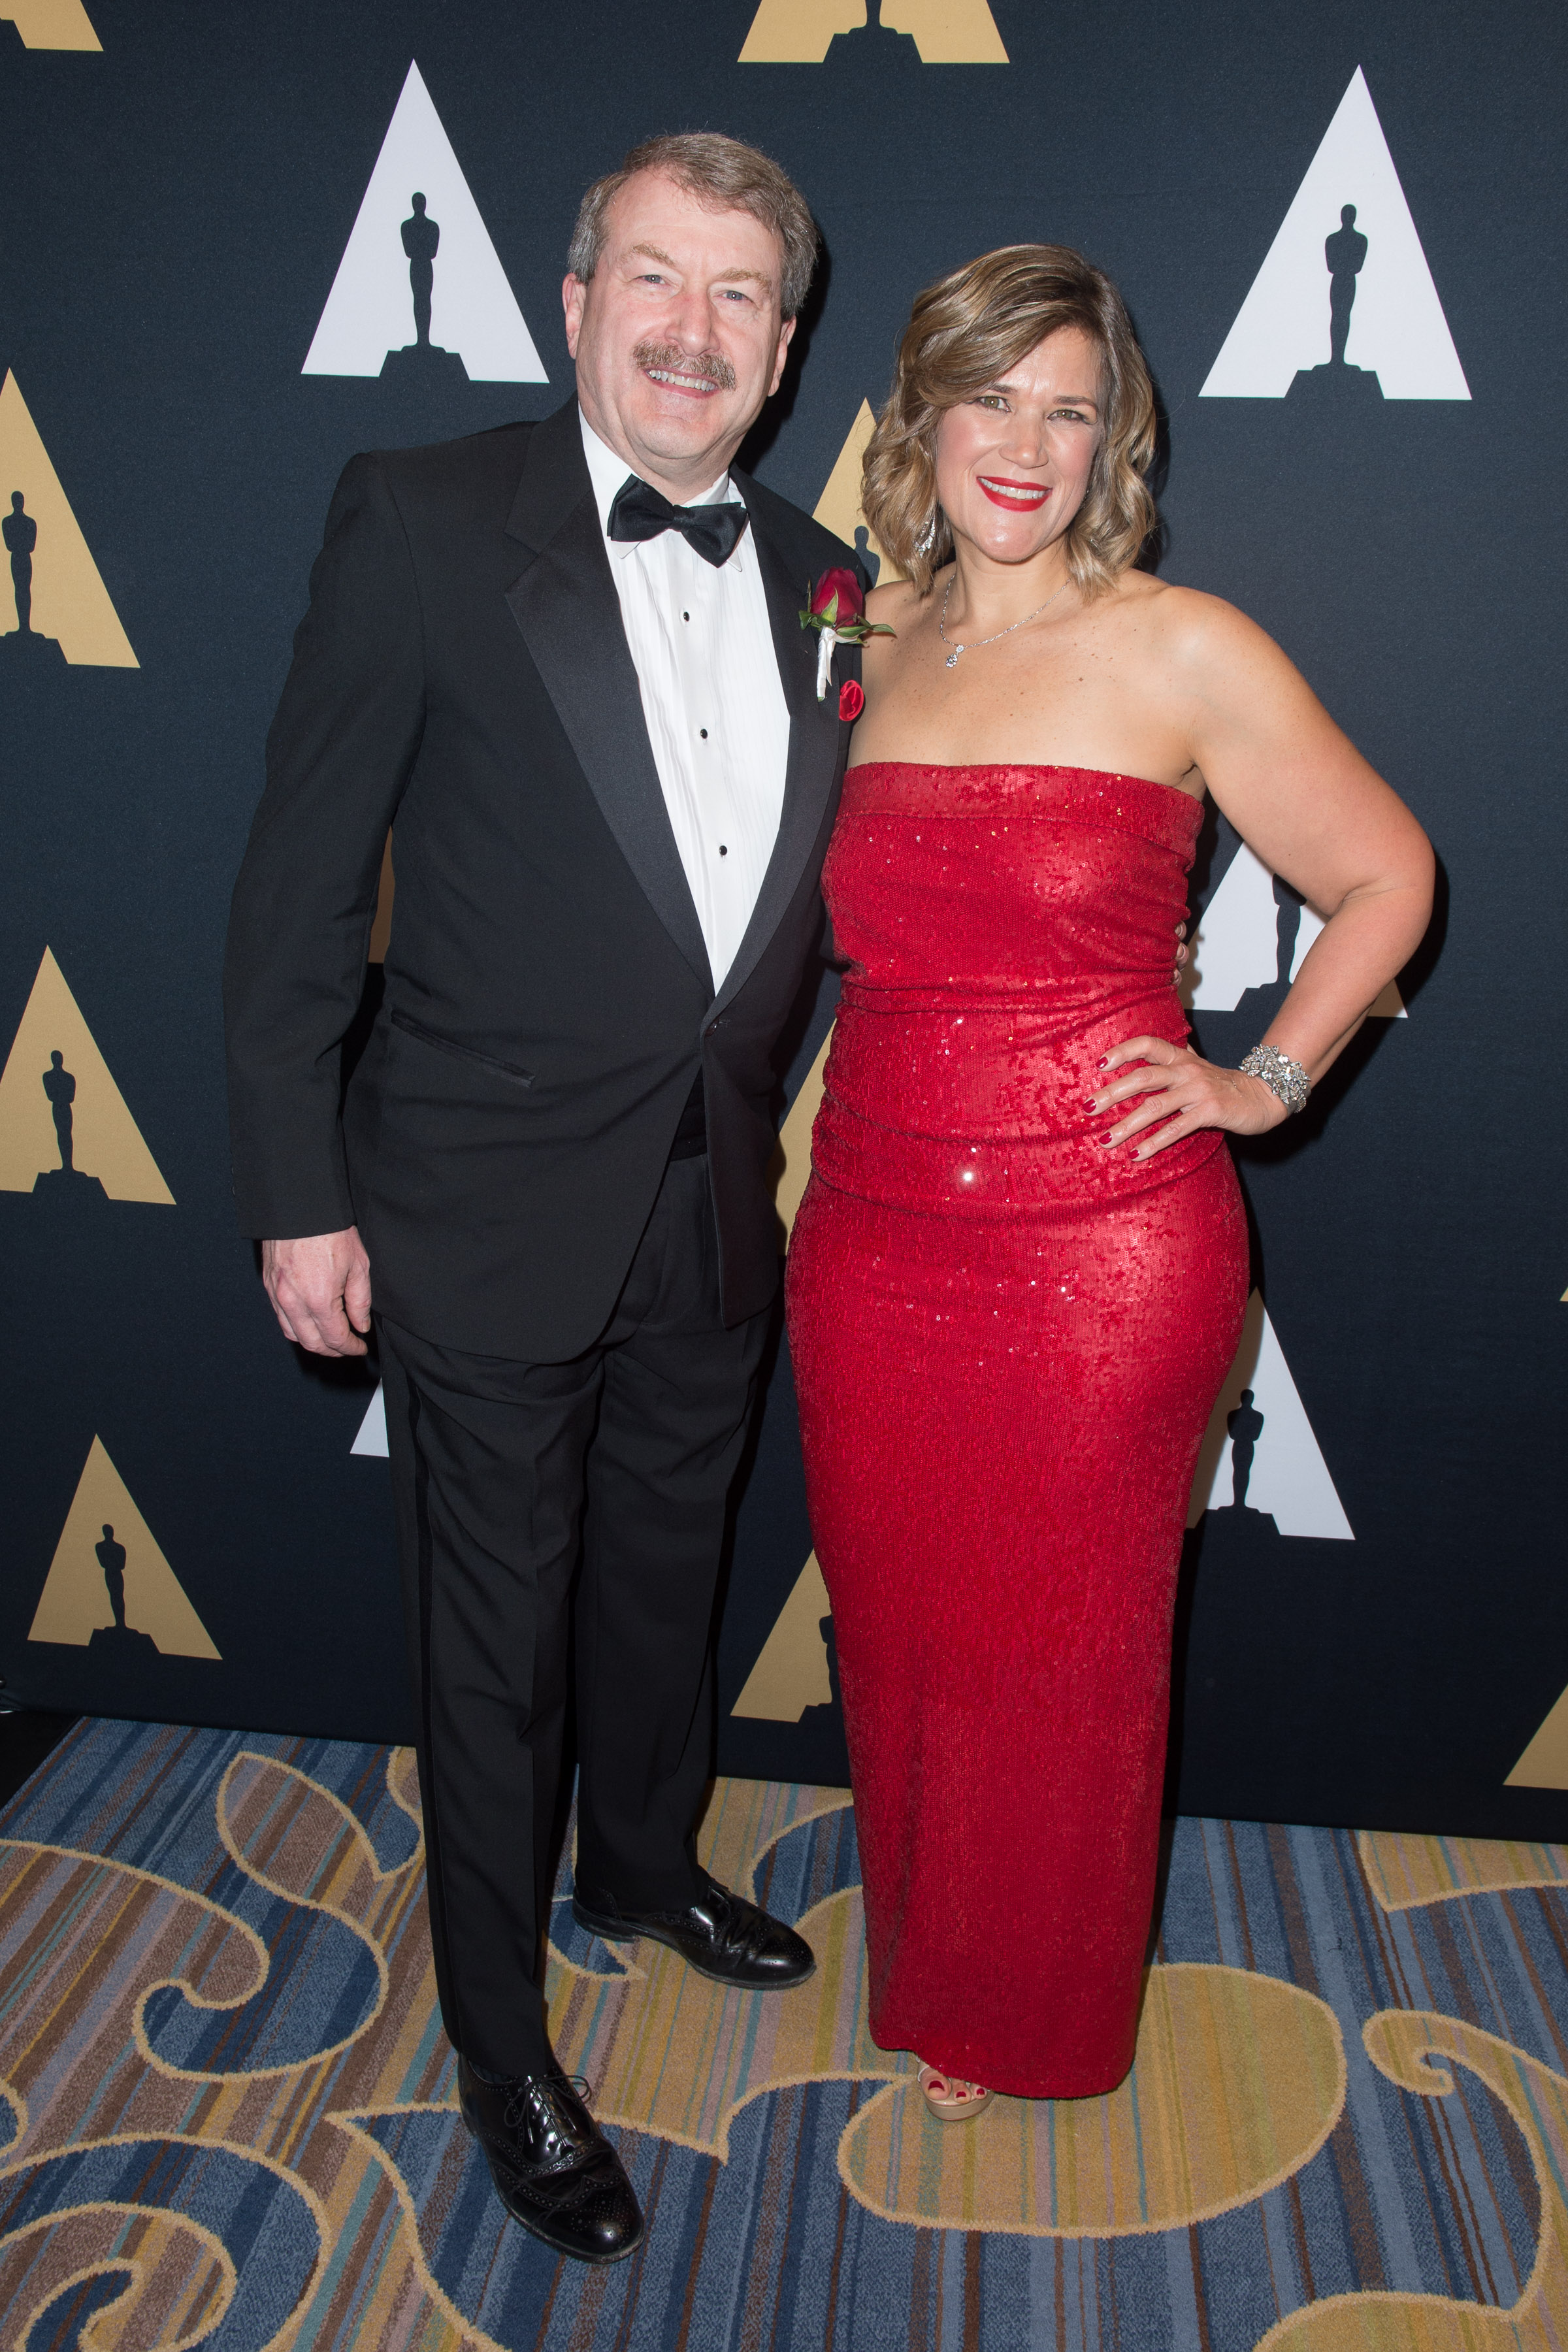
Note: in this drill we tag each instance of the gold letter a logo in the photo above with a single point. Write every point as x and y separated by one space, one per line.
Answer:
64 1126
51 24
945 32
115 1584
67 598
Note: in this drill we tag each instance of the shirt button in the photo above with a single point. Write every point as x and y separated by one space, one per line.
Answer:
703 733
686 616
722 851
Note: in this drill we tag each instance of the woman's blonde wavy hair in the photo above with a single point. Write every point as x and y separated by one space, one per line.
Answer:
963 333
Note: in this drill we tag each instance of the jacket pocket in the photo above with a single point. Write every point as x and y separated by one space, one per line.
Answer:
512 1070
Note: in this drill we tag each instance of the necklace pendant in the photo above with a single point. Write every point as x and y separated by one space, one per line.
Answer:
952 657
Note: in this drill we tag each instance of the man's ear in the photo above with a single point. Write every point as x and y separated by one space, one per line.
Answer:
574 294
786 336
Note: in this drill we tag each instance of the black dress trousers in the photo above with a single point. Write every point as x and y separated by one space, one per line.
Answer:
540 1501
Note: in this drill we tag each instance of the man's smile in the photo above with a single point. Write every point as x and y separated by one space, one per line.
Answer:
694 377
699 384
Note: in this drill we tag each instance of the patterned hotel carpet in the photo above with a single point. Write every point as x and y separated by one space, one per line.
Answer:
226 2119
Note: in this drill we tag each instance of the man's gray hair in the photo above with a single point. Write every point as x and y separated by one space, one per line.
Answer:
724 176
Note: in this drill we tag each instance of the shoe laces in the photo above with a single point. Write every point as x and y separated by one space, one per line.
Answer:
517 2105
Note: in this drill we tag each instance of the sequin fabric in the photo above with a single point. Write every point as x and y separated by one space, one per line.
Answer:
1006 1342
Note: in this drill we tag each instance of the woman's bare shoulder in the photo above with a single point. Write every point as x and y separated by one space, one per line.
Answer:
1192 629
888 605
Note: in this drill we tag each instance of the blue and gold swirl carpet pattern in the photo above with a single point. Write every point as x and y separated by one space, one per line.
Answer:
227 2117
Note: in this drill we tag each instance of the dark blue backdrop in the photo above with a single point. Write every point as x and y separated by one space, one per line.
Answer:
175 213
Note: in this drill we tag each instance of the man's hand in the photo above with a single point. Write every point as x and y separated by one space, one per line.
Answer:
319 1289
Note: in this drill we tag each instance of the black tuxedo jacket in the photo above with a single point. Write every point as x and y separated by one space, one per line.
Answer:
462 675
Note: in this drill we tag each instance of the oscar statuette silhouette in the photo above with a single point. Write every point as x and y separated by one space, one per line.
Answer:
119 1640
1244 1427
19 530
111 1560
822 1754
422 361
67 1179
1344 257
873 50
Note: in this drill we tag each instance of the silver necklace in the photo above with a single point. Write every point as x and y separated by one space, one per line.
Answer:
942 624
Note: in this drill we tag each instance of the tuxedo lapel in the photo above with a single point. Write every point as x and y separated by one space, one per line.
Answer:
565 605
814 746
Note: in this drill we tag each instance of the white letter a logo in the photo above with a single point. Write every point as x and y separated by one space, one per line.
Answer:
470 310
1377 280
1281 1470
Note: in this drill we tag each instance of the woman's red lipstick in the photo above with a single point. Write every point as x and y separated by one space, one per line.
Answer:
1017 497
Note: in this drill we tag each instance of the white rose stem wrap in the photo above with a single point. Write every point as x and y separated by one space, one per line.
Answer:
827 639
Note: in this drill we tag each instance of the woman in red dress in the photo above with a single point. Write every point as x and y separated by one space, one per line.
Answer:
1016 1280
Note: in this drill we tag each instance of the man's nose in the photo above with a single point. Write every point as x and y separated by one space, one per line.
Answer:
693 320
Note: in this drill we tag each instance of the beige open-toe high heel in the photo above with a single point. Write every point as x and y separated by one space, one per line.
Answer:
950 2099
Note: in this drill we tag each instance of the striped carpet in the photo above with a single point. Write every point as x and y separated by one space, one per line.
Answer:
226 2111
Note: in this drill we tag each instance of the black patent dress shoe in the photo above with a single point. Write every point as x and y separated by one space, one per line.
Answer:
719 1933
554 2170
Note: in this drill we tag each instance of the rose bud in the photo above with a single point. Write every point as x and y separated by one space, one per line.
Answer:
836 597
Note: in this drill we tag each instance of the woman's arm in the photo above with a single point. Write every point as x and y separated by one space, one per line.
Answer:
1300 795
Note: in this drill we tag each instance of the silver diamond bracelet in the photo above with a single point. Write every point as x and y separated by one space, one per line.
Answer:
1279 1073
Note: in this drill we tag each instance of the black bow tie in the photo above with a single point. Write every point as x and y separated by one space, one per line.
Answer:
639 511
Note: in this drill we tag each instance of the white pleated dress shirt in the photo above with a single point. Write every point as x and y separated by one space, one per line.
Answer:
716 718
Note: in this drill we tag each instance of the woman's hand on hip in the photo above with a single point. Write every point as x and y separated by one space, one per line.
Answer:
1155 1094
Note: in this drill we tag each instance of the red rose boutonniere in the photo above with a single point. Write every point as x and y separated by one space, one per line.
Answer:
836 609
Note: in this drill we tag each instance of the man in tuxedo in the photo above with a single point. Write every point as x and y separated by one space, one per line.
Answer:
564 663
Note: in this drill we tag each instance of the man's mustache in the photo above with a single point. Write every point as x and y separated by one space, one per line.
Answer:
712 365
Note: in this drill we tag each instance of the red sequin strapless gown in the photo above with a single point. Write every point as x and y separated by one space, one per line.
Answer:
1007 1342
